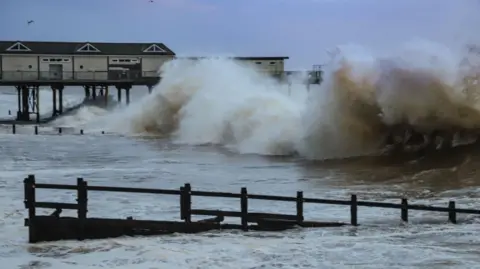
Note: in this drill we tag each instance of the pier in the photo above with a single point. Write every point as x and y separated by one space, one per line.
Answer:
54 227
95 89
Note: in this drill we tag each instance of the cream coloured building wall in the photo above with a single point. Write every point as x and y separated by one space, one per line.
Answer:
17 67
65 61
94 67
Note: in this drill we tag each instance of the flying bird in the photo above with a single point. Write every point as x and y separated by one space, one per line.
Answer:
30 22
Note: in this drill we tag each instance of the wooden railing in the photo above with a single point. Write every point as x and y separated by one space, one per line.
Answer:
186 193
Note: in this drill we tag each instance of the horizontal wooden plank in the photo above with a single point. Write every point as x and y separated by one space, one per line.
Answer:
133 190
55 186
252 216
54 205
215 194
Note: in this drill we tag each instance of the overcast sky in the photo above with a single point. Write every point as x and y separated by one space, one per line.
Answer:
300 29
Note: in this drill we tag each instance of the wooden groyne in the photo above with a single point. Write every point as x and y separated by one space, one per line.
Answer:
53 227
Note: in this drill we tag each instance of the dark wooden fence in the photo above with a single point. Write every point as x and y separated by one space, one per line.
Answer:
186 193
37 130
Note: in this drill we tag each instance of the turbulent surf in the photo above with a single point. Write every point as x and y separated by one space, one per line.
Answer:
423 96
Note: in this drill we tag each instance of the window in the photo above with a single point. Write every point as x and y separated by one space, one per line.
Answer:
154 48
45 60
81 66
66 60
115 60
18 47
30 66
88 48
272 63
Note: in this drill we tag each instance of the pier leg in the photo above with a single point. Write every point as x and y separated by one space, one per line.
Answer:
19 97
60 101
150 88
101 91
94 93
54 102
25 115
127 92
36 103
87 92
106 95
119 95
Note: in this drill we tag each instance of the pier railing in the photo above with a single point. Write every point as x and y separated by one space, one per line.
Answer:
265 221
76 75
115 75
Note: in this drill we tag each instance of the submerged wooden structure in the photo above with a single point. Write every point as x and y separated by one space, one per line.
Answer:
54 227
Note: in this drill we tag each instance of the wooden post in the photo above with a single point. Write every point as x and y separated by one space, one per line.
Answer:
188 203
82 199
452 214
14 129
299 207
244 208
29 188
182 203
36 130
353 210
405 209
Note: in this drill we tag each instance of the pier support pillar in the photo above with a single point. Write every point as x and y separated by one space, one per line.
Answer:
54 102
60 100
127 93
57 90
94 93
28 102
87 92
119 95
150 88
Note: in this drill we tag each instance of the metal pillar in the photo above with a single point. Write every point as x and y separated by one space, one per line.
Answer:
106 95
54 102
119 95
127 91
60 100
87 92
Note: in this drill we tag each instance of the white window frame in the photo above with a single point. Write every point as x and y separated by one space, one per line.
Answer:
154 48
20 45
88 45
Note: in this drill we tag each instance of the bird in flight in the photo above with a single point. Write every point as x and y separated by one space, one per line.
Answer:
30 22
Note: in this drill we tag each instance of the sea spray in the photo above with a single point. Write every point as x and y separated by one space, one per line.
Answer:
220 101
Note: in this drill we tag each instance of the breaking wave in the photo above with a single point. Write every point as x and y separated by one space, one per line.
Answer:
363 97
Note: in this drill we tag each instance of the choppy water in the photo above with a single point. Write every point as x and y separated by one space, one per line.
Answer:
165 140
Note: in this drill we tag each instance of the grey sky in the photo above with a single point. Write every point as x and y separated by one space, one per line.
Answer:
301 29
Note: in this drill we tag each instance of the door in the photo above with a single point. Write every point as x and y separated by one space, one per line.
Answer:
56 71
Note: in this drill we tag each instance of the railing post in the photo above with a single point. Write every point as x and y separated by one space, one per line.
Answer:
353 210
244 208
29 201
182 203
452 214
82 200
404 210
299 207
188 203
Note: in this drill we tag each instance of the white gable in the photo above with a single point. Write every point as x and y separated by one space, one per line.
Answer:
18 47
154 48
88 48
